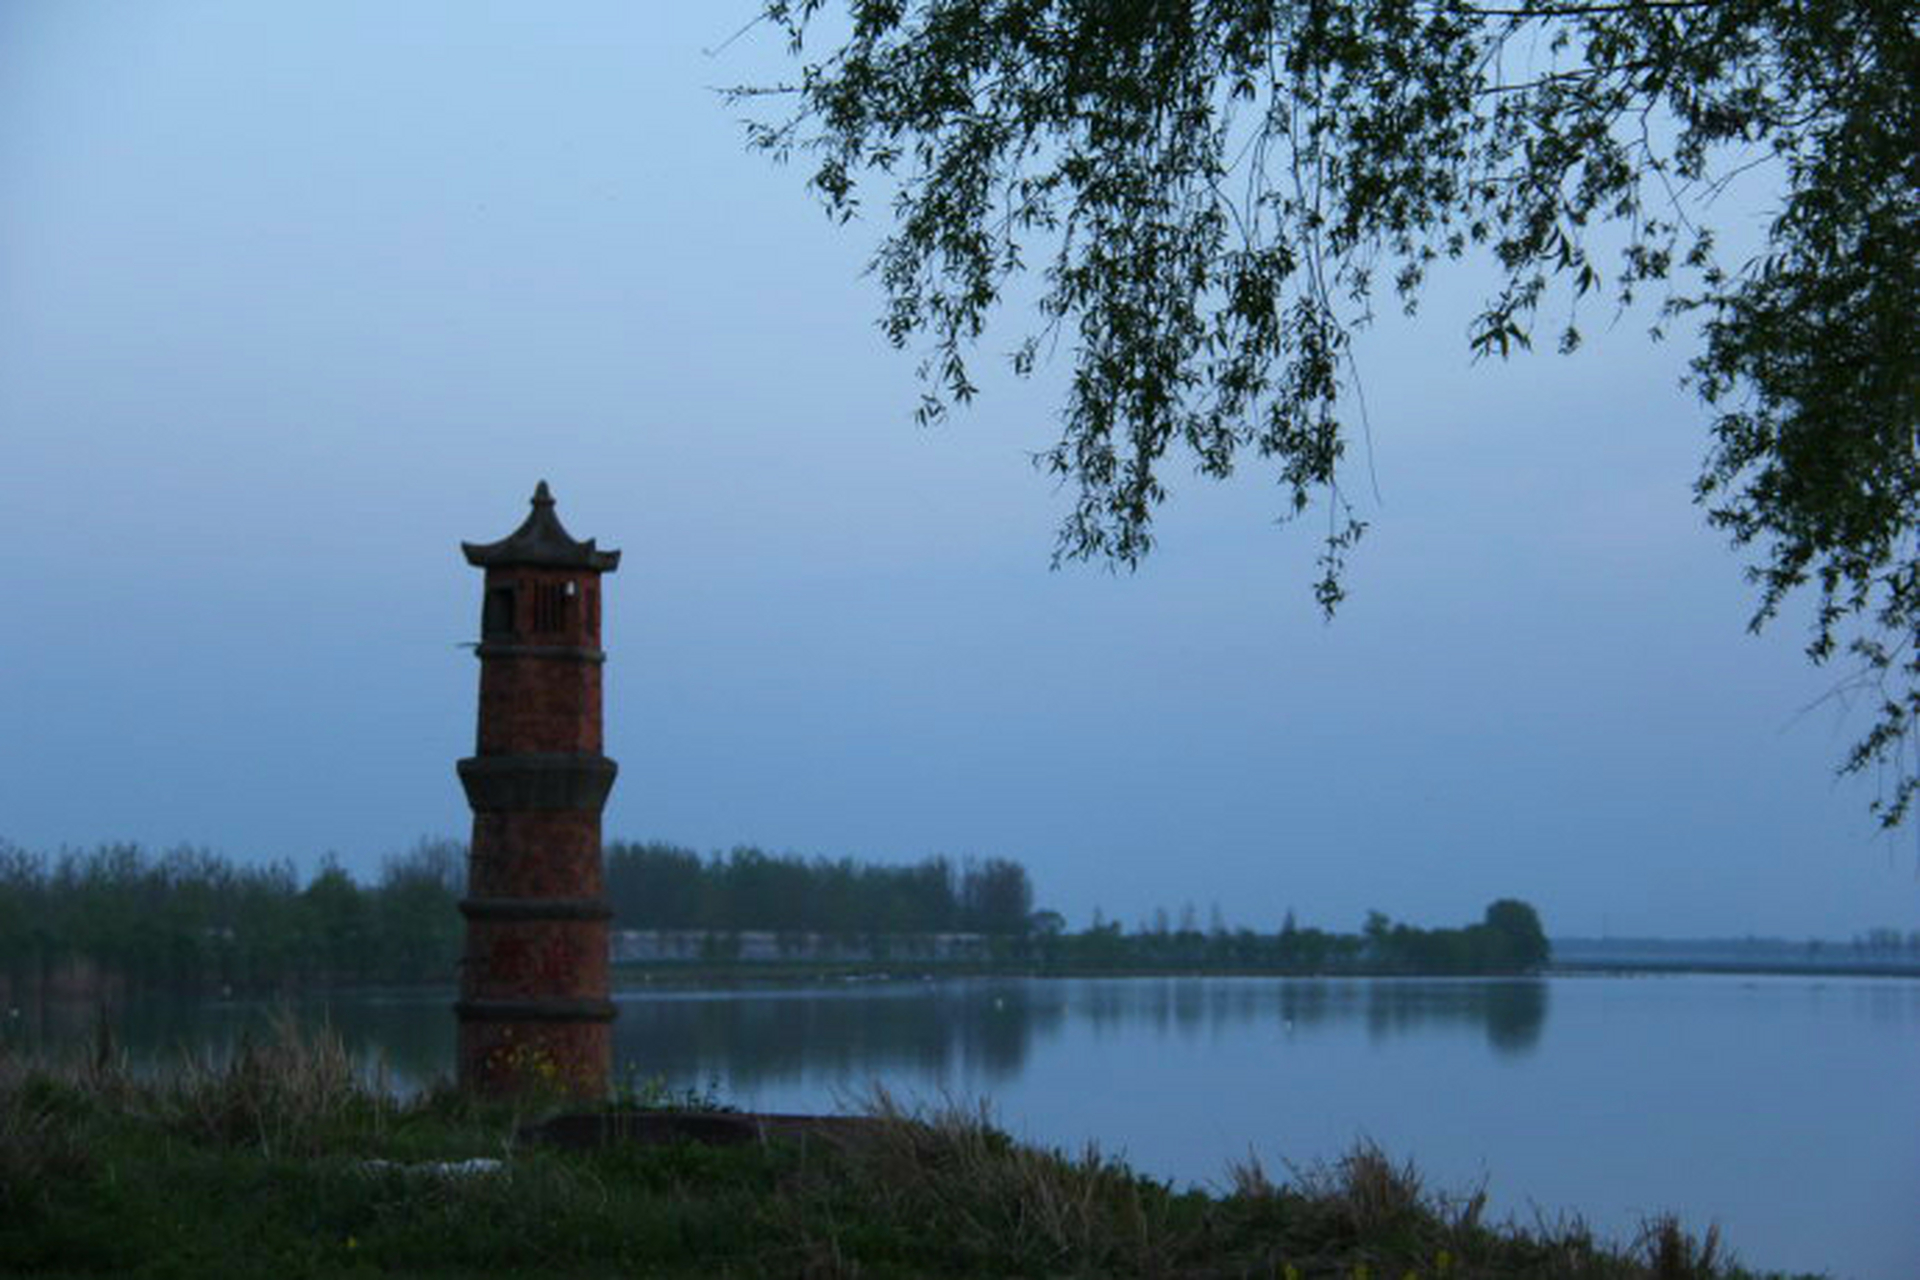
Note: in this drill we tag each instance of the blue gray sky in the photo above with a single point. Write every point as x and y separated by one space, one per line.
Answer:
293 298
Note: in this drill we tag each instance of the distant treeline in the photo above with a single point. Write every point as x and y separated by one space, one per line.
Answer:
193 919
121 917
117 916
1508 939
663 886
1882 942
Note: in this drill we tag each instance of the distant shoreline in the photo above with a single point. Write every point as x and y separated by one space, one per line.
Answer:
1898 959
641 977
1751 968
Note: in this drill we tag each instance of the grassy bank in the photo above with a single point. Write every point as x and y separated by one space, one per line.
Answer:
283 1161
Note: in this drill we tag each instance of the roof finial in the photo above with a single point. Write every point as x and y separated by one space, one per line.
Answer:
542 496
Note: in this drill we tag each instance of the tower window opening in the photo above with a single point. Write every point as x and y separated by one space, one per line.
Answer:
496 617
551 601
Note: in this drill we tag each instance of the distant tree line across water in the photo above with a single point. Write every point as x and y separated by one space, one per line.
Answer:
120 917
1508 939
664 886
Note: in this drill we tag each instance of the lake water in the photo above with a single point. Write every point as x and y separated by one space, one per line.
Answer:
1785 1109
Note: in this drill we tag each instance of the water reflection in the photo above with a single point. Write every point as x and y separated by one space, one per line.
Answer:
405 1039
930 1030
1516 1012
979 1029
984 1030
1510 1012
1886 1003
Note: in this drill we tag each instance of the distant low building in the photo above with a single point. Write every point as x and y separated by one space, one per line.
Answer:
654 946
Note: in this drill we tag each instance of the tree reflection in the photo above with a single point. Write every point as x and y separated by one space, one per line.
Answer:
1516 1012
1511 1012
985 1030
980 1030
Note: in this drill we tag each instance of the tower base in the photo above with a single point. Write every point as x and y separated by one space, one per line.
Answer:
566 1053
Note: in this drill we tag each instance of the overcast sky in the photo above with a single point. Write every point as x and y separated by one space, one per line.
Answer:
293 298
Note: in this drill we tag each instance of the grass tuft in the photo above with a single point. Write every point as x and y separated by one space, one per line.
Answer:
995 1199
1672 1254
297 1092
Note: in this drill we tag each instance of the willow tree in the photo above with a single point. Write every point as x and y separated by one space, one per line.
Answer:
1213 192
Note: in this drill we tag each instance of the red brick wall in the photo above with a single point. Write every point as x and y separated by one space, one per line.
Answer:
511 1057
535 855
539 704
535 959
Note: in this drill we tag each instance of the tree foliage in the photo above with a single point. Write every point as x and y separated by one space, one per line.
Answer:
663 886
1213 192
1508 940
1516 935
189 919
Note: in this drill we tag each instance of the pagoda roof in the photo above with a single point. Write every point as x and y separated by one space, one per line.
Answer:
541 540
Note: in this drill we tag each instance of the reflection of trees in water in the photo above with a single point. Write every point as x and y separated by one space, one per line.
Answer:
409 1037
1885 1002
1516 1011
935 1030
1183 1005
1512 1012
977 1030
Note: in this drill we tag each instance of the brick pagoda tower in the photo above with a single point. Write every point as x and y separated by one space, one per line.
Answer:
533 1010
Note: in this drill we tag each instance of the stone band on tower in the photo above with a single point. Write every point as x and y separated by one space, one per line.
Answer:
534 1011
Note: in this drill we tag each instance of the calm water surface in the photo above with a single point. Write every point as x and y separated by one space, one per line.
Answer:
1785 1109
